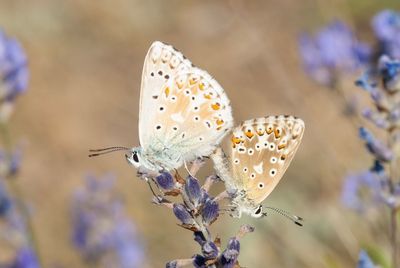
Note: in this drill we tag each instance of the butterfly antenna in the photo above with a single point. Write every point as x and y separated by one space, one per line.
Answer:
97 152
296 219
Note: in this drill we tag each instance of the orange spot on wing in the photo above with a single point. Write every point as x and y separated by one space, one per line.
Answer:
202 86
207 96
260 132
219 122
277 133
249 134
235 140
281 146
193 81
167 90
216 106
269 130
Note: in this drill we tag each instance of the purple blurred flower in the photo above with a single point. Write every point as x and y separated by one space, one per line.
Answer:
386 26
13 68
5 201
333 51
389 71
361 190
101 230
376 146
26 258
14 230
364 260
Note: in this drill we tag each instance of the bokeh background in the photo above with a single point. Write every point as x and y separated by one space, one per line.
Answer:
85 59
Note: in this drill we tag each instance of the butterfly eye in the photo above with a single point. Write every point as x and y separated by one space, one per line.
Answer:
258 212
135 157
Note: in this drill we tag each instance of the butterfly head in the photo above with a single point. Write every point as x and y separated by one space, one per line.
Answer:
134 157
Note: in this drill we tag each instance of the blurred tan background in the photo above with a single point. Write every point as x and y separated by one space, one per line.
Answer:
86 59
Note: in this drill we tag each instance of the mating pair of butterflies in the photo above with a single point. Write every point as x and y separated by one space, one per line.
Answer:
185 114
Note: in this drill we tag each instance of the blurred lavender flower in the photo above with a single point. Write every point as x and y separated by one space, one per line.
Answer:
5 202
386 26
13 73
364 260
333 51
13 229
361 190
382 85
381 183
375 146
101 230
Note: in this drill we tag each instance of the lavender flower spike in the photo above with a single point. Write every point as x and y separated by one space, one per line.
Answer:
333 51
102 232
386 26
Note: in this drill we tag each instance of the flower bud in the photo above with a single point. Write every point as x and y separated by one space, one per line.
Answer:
193 190
210 250
182 214
165 181
210 211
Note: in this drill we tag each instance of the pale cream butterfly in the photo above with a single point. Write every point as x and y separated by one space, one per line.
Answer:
260 152
184 113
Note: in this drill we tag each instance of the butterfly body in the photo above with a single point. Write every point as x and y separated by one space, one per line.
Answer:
261 151
184 113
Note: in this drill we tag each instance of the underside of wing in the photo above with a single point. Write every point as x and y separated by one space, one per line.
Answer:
262 150
192 116
161 64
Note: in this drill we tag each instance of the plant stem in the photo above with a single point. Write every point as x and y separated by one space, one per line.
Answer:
393 236
392 182
15 190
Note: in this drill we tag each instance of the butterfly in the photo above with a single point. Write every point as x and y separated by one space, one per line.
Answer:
260 152
184 113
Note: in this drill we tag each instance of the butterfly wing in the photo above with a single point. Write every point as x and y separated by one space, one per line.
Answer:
262 150
190 117
161 64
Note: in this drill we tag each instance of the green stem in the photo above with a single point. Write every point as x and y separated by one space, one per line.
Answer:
16 192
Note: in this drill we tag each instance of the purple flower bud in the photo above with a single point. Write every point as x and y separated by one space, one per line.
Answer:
204 196
234 244
210 211
210 250
182 214
199 238
165 181
193 190
199 261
